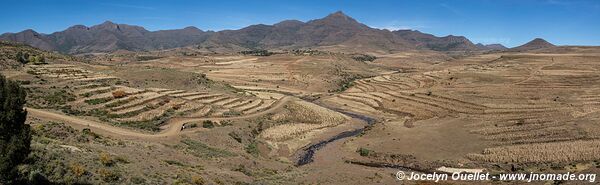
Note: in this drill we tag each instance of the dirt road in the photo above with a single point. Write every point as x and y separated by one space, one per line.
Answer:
174 124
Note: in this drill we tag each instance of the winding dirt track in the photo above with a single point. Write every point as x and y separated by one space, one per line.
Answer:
174 124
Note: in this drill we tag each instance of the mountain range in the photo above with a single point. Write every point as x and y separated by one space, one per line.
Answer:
337 31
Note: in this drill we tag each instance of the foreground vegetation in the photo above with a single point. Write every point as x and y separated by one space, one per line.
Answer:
14 133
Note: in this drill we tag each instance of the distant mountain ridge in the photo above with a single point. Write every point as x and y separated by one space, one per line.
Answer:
336 30
108 37
491 46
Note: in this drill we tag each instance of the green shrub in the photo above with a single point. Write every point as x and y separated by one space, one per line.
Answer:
363 152
252 149
208 124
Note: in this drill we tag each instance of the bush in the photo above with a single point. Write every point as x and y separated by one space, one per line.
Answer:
208 124
364 58
37 60
77 170
197 180
109 176
146 57
105 159
119 94
363 152
258 52
252 148
137 180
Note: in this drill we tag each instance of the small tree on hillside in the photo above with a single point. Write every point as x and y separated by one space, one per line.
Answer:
23 58
14 133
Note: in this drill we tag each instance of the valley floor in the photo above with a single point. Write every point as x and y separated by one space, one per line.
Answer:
246 119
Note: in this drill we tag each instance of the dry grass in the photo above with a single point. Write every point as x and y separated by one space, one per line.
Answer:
307 117
305 112
157 112
542 152
289 131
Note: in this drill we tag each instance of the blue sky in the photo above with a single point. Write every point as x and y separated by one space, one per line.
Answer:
509 22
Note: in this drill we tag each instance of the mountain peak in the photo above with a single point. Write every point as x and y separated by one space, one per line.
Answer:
78 27
537 43
337 19
289 23
193 28
338 15
108 23
29 31
540 41
490 46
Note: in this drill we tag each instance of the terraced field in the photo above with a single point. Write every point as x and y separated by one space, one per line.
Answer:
100 96
524 106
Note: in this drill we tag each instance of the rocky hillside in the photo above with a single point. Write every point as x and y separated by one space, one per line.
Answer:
108 37
428 41
14 55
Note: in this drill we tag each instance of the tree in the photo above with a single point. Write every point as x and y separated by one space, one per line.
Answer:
14 133
23 58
